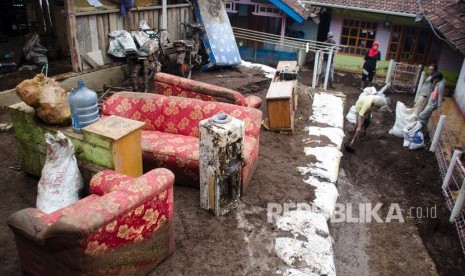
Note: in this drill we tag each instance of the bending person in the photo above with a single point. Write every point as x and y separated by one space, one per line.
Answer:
363 108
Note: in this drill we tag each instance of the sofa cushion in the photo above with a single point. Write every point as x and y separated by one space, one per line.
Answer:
184 147
182 116
180 153
144 107
253 101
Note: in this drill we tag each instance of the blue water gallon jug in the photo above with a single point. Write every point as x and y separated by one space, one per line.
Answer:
84 106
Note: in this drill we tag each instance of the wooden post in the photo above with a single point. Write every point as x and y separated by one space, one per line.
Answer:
315 69
164 20
453 161
328 67
72 38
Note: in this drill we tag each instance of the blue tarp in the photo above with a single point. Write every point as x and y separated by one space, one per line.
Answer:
217 36
266 56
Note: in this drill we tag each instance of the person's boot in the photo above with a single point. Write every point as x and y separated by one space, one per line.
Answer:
363 84
331 84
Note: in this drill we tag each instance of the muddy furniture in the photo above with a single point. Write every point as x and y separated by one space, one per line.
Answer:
281 101
170 85
286 70
124 227
103 145
170 136
221 143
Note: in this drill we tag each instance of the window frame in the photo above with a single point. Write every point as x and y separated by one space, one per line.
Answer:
355 34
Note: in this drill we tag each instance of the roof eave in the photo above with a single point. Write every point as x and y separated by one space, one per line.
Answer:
314 3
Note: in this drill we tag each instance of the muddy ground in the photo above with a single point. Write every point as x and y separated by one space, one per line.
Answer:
242 242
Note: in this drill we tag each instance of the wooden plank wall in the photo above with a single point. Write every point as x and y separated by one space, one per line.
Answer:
93 28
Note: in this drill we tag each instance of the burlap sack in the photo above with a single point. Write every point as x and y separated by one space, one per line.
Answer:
29 90
53 104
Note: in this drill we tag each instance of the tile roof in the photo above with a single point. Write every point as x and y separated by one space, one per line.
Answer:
402 6
450 21
445 15
298 7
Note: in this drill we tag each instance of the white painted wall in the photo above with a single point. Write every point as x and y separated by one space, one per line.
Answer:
459 94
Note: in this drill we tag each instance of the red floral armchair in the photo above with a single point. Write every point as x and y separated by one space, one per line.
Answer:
125 227
170 137
170 85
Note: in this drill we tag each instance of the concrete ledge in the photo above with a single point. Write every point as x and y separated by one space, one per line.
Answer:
111 76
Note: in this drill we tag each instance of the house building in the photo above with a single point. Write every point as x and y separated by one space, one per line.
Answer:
404 35
449 20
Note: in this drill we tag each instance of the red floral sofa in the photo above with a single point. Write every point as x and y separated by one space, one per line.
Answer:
170 137
125 227
170 85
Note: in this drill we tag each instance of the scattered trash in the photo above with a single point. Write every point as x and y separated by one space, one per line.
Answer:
28 67
61 181
7 67
34 52
5 127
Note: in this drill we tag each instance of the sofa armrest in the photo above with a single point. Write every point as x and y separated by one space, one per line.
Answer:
99 211
28 223
107 181
67 227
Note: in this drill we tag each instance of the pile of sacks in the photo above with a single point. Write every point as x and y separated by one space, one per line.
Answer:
407 127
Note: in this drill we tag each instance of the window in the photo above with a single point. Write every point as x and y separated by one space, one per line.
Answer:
413 45
358 36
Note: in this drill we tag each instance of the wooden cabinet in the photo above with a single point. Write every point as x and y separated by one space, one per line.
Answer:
281 101
123 137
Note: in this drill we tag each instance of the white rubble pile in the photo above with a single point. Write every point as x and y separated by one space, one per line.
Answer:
268 71
307 247
327 109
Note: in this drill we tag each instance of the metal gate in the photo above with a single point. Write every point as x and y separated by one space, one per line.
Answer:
405 77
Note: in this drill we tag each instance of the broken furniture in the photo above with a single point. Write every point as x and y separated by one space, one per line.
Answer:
281 101
221 144
170 137
124 227
286 70
218 38
170 85
102 145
